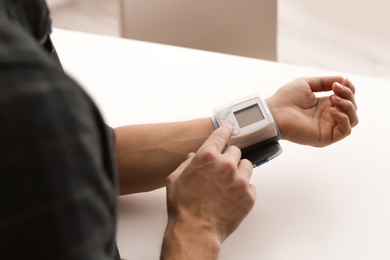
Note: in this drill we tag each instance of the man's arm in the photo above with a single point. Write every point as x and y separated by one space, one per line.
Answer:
57 194
147 154
210 194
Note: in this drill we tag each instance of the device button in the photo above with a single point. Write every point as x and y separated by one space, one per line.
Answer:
236 131
223 115
231 121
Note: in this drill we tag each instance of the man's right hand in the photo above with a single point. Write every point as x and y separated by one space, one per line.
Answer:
208 196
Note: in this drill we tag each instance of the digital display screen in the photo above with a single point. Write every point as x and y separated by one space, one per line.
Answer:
249 115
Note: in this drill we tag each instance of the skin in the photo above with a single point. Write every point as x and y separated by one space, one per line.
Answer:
208 189
305 119
196 220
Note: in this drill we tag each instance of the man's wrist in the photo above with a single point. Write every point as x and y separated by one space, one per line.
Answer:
189 240
272 104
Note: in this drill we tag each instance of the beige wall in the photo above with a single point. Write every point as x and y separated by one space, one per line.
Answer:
240 27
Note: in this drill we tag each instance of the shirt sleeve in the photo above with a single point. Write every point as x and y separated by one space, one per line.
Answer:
57 188
111 134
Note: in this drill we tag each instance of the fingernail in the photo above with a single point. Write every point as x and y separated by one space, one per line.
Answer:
229 124
339 86
338 99
190 155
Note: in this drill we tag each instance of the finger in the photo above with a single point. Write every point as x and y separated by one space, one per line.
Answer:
252 189
219 138
190 155
349 85
234 152
347 107
318 84
345 92
246 168
343 127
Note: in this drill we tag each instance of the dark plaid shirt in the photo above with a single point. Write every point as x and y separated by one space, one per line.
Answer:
57 178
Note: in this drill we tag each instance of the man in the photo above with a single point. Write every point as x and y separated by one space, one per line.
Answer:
59 160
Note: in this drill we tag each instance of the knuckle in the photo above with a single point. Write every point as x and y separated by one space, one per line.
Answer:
349 131
356 122
251 199
205 156
248 164
169 180
351 86
242 184
235 149
230 167
243 189
353 89
346 105
208 155
350 106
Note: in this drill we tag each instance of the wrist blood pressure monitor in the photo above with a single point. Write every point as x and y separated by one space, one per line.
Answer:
255 130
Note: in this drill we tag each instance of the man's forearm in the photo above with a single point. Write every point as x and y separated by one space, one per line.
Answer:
147 154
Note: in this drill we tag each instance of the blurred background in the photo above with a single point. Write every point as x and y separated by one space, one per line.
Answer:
341 35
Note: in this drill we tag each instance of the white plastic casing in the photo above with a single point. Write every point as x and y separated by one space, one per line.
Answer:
251 118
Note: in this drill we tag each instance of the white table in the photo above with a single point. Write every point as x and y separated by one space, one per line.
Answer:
328 203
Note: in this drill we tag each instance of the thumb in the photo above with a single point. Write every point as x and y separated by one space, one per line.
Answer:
190 155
